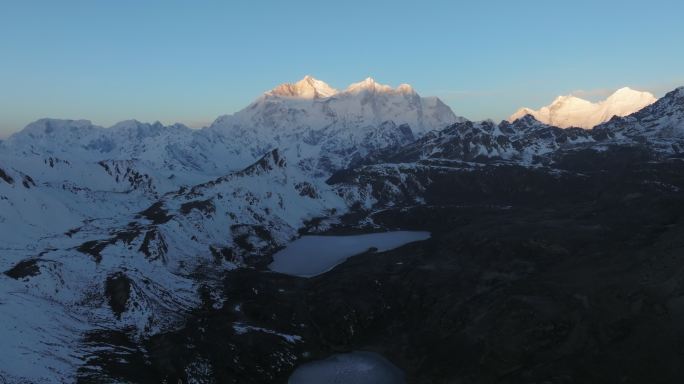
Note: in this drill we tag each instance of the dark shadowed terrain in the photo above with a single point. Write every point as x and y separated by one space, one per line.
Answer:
531 276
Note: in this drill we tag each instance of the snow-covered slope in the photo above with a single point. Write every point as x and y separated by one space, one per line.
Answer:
77 261
571 111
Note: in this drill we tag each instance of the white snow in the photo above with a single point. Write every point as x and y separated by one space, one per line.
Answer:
310 256
306 88
570 111
39 338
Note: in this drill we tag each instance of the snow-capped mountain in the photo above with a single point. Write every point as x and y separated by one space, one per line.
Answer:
571 111
660 124
326 129
306 88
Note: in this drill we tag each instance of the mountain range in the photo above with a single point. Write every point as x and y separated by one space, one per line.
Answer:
127 228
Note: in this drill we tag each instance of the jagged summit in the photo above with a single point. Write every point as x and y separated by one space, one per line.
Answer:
368 84
306 88
525 121
673 95
571 111
312 88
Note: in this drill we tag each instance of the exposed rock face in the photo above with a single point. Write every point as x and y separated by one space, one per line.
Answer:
118 290
24 268
5 177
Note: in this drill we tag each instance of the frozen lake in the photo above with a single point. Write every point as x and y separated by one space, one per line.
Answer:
355 367
312 255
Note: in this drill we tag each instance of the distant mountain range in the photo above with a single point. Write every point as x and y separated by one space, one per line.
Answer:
118 228
570 111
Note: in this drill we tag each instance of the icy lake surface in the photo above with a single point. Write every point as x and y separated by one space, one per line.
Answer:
312 255
355 367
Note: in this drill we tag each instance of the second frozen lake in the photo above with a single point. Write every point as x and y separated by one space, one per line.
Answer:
352 368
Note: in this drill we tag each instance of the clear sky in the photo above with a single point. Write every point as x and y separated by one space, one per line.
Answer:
191 61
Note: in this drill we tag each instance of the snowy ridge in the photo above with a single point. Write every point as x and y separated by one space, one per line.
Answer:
571 111
523 142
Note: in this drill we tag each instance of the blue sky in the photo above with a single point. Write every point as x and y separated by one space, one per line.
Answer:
191 61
